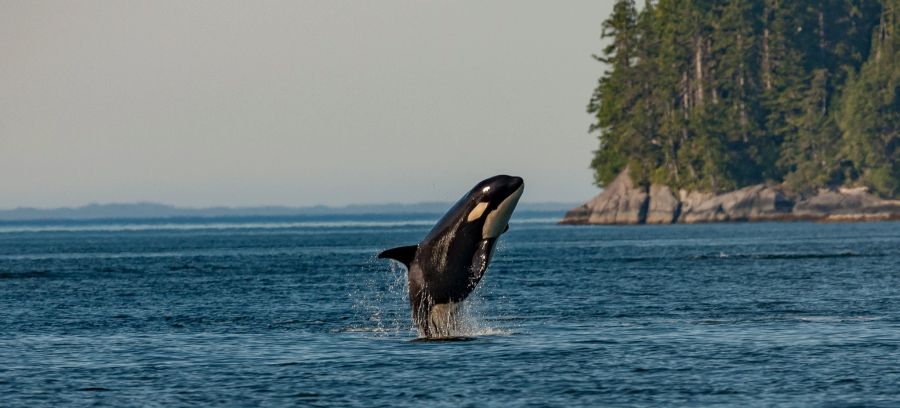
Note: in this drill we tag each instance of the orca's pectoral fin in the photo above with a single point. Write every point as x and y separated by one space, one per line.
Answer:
481 260
404 254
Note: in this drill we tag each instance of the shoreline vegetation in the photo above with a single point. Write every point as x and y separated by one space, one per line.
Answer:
747 110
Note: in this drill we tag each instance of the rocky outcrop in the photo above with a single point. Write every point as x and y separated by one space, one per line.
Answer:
754 203
698 207
622 202
847 205
663 207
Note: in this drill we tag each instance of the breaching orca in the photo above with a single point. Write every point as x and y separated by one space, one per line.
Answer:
447 265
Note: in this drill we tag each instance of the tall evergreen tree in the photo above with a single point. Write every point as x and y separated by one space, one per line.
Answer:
870 110
736 89
810 154
613 97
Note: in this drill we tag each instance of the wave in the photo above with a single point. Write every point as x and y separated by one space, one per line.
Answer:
756 256
786 318
195 225
787 255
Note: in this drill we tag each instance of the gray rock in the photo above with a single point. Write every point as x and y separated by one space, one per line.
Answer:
847 205
699 207
624 203
577 215
621 202
753 203
664 208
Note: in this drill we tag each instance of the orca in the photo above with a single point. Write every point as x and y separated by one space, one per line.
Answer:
448 264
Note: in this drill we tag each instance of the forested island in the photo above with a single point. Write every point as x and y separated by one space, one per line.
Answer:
745 110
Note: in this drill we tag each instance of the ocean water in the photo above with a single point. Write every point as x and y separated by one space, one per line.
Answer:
299 312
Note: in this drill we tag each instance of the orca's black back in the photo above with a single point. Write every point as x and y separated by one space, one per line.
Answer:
445 258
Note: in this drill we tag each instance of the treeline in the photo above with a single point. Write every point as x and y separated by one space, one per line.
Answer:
717 95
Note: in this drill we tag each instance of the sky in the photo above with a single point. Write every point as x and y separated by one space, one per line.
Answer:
240 103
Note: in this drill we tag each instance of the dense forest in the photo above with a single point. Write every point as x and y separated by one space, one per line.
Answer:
717 95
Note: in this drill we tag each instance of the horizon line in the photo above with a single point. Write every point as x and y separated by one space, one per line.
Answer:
259 206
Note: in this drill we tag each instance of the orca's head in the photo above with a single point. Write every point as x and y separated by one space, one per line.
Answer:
491 202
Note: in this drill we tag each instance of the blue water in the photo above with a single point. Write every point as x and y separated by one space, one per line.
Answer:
276 312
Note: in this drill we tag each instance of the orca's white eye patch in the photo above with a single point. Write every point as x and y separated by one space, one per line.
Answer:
477 212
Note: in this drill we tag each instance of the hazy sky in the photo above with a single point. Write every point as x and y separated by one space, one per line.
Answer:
200 103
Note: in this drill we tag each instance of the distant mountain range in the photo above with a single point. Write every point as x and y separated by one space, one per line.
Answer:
155 210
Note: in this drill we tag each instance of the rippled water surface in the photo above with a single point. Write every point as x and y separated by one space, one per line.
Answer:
294 312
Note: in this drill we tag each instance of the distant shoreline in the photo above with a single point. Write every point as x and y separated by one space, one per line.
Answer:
153 212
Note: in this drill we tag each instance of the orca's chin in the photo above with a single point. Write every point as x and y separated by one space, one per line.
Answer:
498 219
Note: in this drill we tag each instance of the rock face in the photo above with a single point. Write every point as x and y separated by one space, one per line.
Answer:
620 203
847 205
698 207
624 203
753 203
663 208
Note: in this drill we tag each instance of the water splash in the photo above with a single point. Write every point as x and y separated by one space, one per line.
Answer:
478 313
381 300
381 304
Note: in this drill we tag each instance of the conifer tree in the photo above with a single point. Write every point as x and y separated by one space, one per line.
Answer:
870 110
613 97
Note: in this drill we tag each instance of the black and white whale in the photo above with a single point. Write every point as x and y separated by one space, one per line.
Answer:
448 264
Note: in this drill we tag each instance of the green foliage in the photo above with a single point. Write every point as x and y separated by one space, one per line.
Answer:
613 98
869 116
809 152
717 95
